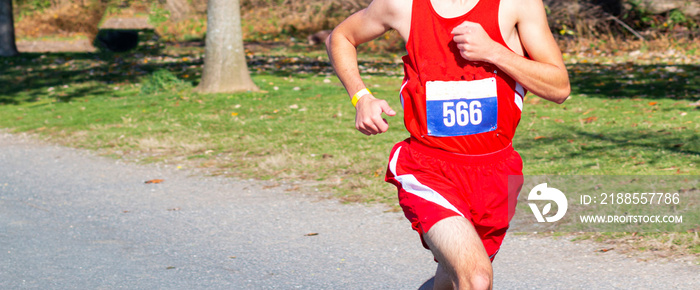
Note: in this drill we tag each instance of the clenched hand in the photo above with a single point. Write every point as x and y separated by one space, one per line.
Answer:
368 115
473 42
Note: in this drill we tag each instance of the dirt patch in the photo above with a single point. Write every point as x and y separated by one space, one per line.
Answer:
81 44
40 46
136 23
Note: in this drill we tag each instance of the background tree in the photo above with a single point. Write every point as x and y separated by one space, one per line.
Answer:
225 68
7 30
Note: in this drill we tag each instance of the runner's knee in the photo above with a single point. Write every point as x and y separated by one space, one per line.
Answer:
481 280
475 279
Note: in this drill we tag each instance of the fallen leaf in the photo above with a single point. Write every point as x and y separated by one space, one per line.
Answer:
605 250
311 234
590 119
652 103
540 137
155 181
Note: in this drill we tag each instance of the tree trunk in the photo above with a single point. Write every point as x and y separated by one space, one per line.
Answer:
7 30
225 68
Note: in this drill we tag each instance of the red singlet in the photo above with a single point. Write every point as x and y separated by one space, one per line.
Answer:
451 103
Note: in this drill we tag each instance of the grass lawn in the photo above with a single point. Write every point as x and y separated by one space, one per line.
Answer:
633 116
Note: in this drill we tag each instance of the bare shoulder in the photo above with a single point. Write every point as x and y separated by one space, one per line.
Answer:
523 10
533 31
395 14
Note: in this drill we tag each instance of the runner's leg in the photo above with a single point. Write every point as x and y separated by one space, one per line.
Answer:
442 279
460 253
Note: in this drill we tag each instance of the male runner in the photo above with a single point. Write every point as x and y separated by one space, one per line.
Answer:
469 64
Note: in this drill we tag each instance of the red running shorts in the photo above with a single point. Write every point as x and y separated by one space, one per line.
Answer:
434 184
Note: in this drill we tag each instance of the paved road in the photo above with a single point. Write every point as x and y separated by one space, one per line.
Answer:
72 220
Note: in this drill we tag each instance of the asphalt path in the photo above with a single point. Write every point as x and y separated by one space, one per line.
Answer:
72 220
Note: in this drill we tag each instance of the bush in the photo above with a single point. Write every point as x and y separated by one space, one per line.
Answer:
162 81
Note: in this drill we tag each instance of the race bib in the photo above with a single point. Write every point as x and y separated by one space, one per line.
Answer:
460 108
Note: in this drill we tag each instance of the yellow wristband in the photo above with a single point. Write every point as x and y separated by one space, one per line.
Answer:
357 96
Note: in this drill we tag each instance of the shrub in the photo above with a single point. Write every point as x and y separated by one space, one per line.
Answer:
162 81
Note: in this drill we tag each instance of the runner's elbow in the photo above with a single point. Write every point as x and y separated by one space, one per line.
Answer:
556 95
563 94
560 94
328 39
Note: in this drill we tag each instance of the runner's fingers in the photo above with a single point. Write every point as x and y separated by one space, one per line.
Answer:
380 124
367 127
464 50
384 126
464 46
363 130
386 108
461 29
460 38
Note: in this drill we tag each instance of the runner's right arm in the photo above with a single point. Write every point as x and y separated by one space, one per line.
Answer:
367 24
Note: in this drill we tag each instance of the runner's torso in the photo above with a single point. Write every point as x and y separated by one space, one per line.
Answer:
451 103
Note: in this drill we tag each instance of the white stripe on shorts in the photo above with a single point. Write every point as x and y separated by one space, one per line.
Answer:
411 185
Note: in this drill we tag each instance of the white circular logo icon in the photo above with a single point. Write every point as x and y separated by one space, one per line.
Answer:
542 192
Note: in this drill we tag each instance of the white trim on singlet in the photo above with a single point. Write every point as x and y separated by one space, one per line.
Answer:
519 95
401 92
